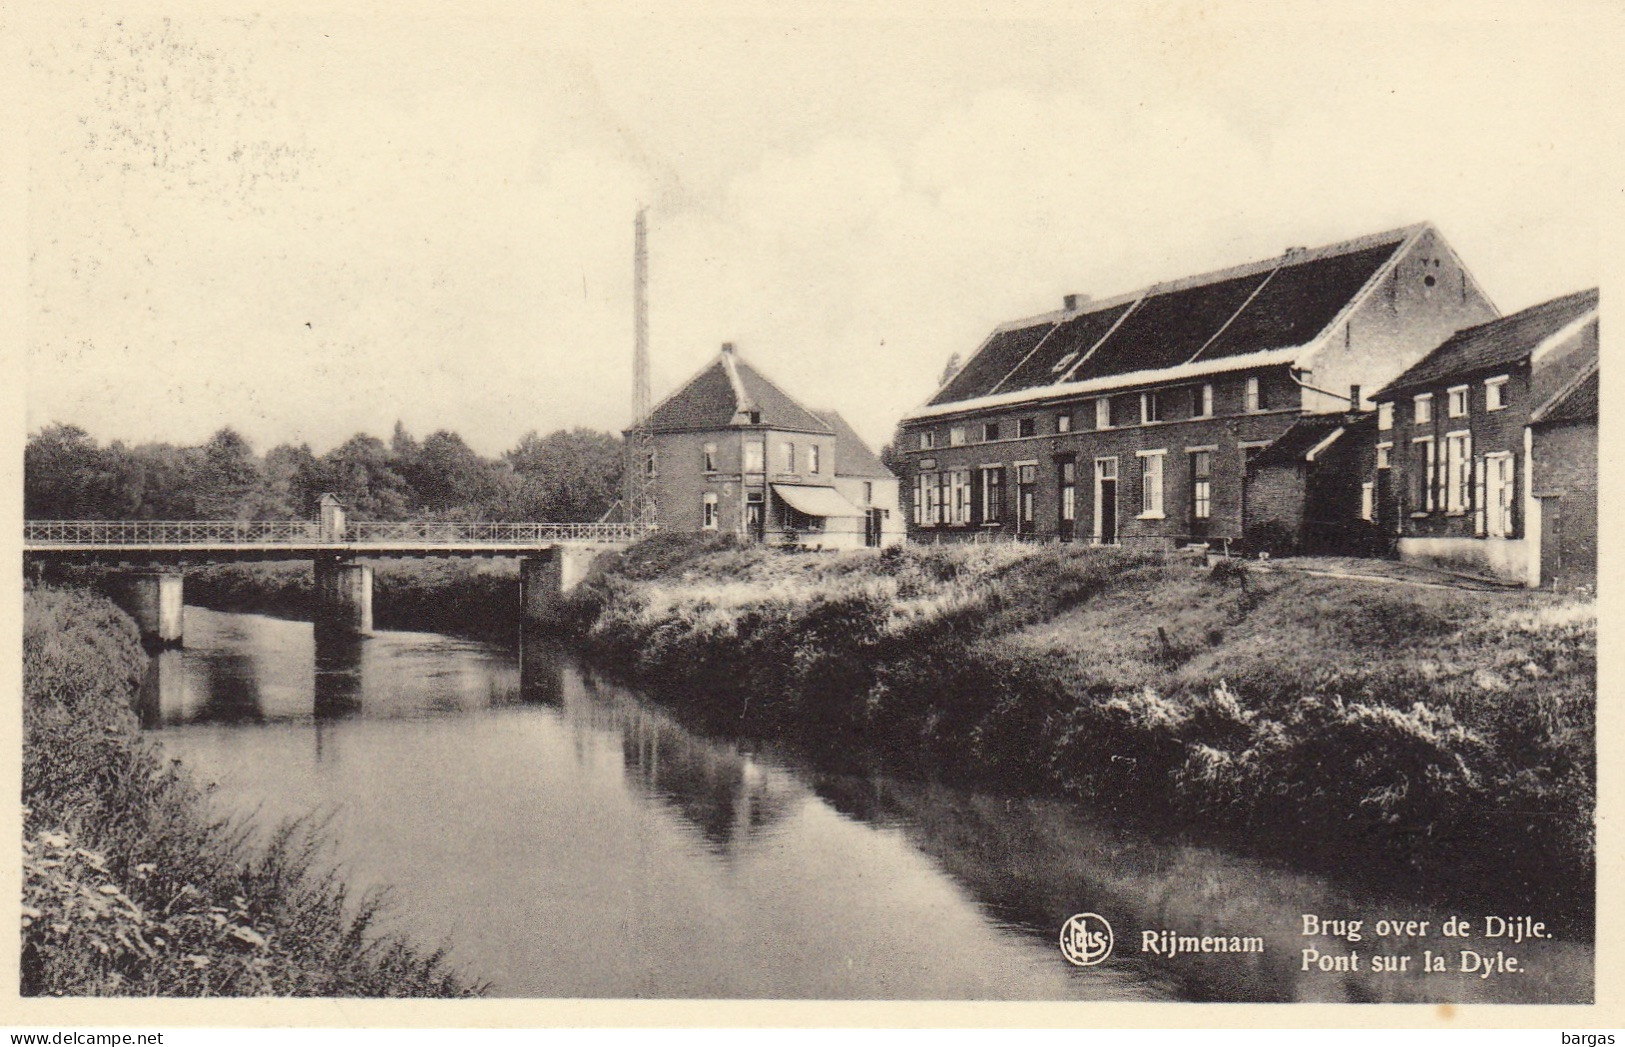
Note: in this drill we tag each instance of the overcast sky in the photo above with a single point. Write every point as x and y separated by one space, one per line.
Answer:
309 225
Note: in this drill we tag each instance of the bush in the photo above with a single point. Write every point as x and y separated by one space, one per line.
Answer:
1284 707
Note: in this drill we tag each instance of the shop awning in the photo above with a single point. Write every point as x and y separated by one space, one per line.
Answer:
816 501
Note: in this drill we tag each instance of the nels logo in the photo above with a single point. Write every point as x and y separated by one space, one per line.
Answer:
1086 939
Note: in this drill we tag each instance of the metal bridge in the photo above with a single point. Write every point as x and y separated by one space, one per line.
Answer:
230 540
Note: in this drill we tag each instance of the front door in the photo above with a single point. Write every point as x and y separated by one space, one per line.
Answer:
872 527
1106 501
1201 493
1551 539
1068 477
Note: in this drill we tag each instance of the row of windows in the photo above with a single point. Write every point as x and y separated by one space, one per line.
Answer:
965 496
754 454
1111 412
1458 404
1457 483
754 501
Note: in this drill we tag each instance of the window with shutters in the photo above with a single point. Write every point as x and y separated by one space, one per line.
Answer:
1424 478
992 493
1151 484
958 498
1458 460
1500 481
1201 484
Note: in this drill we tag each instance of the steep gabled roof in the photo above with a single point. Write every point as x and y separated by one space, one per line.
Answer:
852 455
1493 345
779 409
723 394
1575 402
1274 305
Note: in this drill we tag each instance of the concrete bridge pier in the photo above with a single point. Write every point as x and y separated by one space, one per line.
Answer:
156 600
343 597
543 579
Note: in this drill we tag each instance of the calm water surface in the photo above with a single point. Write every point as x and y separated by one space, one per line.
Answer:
567 838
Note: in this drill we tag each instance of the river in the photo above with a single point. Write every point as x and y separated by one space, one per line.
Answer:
567 837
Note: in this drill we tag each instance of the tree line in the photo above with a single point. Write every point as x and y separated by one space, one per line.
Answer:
567 475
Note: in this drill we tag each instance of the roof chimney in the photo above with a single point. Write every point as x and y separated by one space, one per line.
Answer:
1072 301
728 347
1354 398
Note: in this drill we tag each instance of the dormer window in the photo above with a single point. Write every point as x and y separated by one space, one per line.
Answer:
1063 363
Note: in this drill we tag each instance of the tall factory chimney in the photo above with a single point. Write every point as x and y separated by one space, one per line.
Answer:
640 465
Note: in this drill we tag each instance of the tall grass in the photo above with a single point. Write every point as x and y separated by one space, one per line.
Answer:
1445 737
132 889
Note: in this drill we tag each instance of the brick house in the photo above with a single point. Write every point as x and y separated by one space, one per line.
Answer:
733 453
1486 452
1134 418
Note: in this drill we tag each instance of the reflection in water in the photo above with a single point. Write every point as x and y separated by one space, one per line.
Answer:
569 838
337 688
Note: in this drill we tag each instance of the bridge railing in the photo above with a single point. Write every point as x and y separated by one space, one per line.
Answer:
454 532
170 532
300 532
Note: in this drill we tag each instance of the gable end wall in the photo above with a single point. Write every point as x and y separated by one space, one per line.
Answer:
1400 321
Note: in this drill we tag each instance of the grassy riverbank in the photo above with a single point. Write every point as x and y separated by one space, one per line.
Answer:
1440 737
131 888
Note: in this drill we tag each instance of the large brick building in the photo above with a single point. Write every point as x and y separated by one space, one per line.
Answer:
733 453
1134 418
1486 448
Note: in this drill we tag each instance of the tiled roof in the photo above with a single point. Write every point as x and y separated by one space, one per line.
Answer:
779 410
713 398
1302 437
1491 345
706 402
852 455
1298 301
1575 402
997 358
1280 303
1072 338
